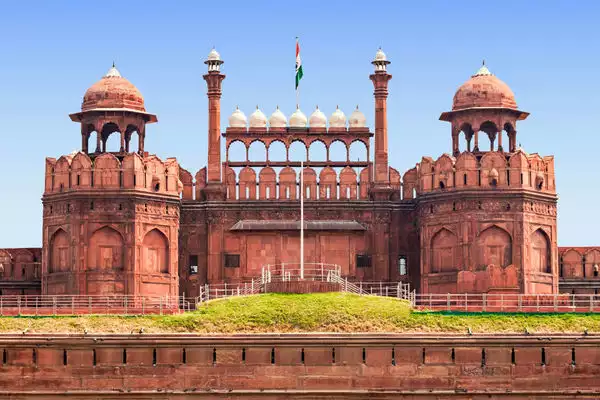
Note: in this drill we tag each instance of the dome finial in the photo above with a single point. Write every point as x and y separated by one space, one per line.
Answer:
483 71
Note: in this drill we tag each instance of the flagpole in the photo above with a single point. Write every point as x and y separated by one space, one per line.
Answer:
297 86
302 220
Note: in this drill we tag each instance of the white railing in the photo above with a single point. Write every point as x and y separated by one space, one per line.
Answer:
508 302
93 304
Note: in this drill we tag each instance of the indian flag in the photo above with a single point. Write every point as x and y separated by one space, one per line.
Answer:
298 64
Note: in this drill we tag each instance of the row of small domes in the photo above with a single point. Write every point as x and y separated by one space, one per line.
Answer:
297 120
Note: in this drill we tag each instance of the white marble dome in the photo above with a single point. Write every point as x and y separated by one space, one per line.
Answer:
277 119
213 55
237 119
258 119
317 119
380 55
298 119
337 119
357 119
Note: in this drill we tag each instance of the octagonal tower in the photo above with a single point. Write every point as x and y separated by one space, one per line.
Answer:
487 218
111 218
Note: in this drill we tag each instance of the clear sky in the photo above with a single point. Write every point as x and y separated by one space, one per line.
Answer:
546 51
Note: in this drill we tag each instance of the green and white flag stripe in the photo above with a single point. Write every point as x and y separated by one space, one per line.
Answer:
298 64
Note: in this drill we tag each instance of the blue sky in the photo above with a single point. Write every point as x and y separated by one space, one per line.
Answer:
546 51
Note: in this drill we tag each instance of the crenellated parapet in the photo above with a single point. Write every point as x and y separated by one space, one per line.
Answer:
489 170
80 172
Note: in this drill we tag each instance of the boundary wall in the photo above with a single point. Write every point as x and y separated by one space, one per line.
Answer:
314 366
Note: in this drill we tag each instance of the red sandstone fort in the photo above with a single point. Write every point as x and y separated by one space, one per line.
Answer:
480 219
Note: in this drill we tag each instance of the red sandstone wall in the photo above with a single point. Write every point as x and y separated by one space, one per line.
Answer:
403 366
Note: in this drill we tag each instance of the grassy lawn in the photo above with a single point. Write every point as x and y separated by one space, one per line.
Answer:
323 312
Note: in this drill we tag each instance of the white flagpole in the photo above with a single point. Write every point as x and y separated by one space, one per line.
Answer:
302 191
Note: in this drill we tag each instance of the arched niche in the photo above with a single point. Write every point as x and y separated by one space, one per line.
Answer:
541 252
106 250
444 251
493 246
155 253
59 252
572 264
236 151
287 184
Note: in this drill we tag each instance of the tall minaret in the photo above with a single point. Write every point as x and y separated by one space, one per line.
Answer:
380 80
213 79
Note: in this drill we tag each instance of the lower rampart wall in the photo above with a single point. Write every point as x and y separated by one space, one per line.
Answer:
300 366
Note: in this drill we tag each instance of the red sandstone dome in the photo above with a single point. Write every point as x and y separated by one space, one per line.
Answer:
113 91
484 90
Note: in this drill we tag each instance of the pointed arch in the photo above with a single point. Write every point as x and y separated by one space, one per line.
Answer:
59 252
155 253
444 251
106 250
493 246
267 184
572 264
541 255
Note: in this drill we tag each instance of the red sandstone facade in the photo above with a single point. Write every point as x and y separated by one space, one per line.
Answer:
481 219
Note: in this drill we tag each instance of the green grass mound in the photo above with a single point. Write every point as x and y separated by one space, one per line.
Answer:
321 312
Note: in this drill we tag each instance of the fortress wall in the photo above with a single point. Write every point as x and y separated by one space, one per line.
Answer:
320 366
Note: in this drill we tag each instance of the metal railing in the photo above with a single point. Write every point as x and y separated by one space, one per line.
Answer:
508 302
81 305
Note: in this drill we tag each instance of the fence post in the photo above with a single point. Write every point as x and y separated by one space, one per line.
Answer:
520 302
207 290
361 290
448 302
322 273
430 299
591 302
19 304
89 304
73 305
484 300
537 302
346 285
252 287
160 304
283 272
36 306
125 305
574 303
398 291
466 302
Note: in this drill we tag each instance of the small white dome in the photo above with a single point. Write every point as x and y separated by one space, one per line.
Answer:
337 119
237 119
298 119
214 55
380 55
277 119
357 119
258 119
317 119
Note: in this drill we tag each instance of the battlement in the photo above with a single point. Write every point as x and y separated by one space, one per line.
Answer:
80 172
489 170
